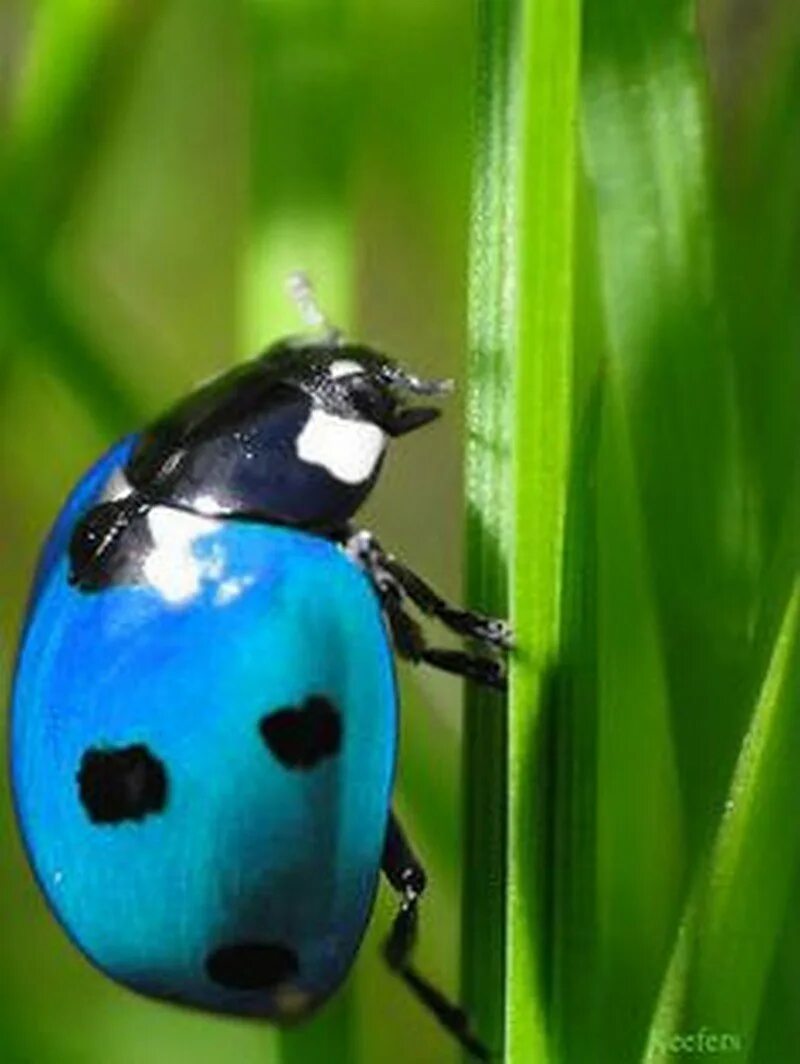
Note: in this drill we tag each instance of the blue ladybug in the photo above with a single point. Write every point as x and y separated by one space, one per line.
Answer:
204 720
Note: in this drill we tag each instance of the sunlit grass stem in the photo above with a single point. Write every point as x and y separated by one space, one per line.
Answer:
518 469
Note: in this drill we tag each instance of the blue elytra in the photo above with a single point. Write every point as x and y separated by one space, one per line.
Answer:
204 719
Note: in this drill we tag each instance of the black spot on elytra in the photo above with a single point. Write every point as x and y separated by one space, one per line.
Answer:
109 544
252 965
127 783
301 737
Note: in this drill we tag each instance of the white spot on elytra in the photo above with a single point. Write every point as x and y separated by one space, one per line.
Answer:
231 589
344 367
348 449
171 566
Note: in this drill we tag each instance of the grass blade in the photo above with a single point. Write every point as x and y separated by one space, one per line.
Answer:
521 310
722 956
675 575
488 420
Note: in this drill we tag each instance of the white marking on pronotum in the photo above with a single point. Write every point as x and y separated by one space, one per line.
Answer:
207 505
344 367
171 566
348 449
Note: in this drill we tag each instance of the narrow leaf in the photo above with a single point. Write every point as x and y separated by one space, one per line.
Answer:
520 403
731 927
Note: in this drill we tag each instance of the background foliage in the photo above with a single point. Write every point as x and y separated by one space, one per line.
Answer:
162 165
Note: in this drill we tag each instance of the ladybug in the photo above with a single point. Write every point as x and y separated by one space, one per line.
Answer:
204 718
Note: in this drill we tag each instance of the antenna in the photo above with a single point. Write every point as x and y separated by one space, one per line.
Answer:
301 291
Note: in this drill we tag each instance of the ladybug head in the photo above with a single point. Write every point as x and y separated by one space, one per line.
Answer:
351 381
356 383
297 436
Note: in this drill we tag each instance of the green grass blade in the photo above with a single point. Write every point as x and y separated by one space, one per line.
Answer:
488 422
757 177
638 813
571 741
674 570
731 927
521 309
542 459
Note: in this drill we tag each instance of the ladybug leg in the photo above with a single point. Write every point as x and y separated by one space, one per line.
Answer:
410 643
479 670
393 583
491 631
407 877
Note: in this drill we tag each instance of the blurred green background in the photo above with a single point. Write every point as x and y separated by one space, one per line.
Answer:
163 165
